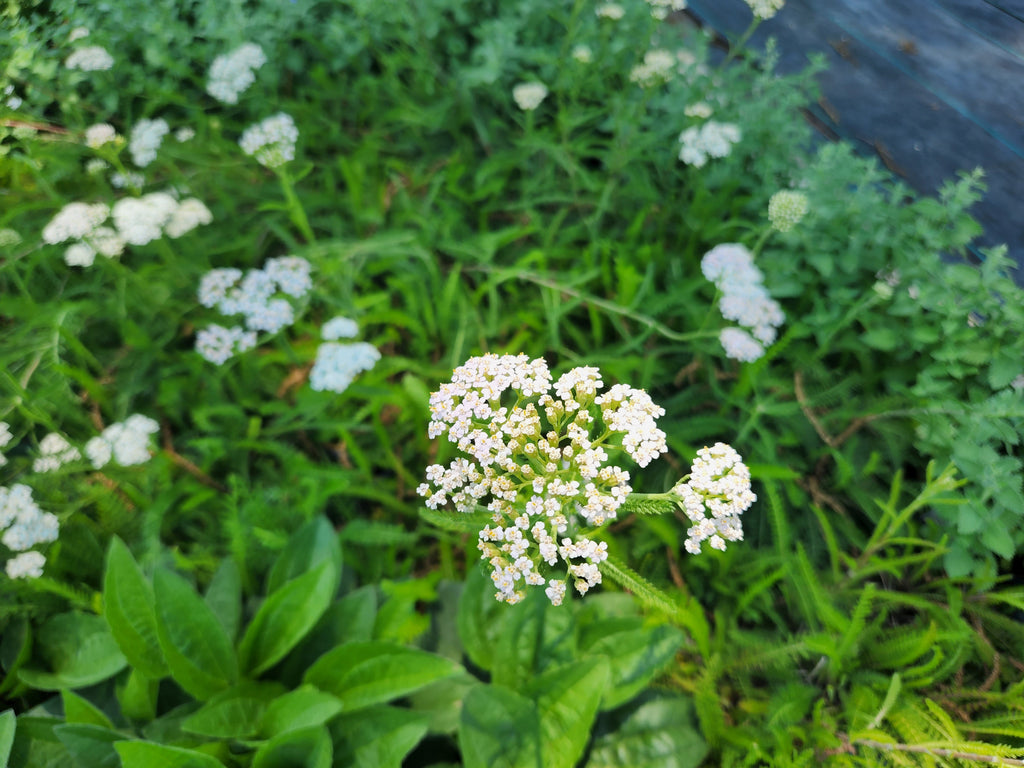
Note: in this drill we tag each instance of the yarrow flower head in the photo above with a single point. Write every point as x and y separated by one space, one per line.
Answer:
656 68
5 437
539 460
189 214
232 73
612 11
127 443
55 451
765 9
98 135
713 496
339 328
660 9
337 365
24 525
145 140
744 300
582 54
74 221
92 58
712 139
786 208
272 141
140 220
528 96
219 344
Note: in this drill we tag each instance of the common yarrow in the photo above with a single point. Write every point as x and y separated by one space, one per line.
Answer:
231 73
542 459
24 525
271 141
712 139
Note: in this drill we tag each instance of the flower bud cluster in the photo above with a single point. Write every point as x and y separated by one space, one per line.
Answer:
713 139
24 525
231 73
719 484
657 68
540 463
765 9
528 96
272 141
730 266
127 443
786 208
90 58
255 297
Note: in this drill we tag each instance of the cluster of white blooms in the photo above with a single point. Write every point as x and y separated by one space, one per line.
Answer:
699 109
719 484
24 525
5 438
98 135
55 452
184 134
786 208
95 166
740 345
9 237
660 9
528 96
126 442
713 139
339 328
145 140
130 179
657 68
189 214
27 565
82 223
141 220
231 73
539 464
272 141
78 33
11 100
612 11
92 58
582 54
765 9
252 295
337 365
730 266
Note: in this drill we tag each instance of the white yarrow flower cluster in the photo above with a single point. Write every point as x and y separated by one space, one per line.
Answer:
660 9
730 266
55 451
127 443
145 140
540 463
141 220
337 365
765 9
232 73
24 525
786 208
189 214
98 135
272 141
612 11
77 34
582 54
699 109
5 437
719 484
528 96
657 68
82 223
254 296
92 58
339 328
713 139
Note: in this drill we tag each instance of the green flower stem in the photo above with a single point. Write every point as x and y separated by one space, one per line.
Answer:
756 250
742 42
295 210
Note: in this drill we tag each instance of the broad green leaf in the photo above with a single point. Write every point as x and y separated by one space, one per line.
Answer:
224 596
659 733
137 696
8 725
481 619
198 651
309 546
304 707
234 713
376 737
144 754
128 606
79 710
345 620
536 635
635 657
499 729
308 748
79 650
286 617
567 701
91 746
36 745
361 674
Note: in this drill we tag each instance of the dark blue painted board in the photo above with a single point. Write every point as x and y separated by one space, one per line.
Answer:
932 86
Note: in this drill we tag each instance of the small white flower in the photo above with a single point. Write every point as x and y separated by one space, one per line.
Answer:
272 141
189 214
145 140
27 565
184 134
77 34
528 96
339 328
80 255
786 208
740 345
92 58
583 55
765 9
98 135
75 221
231 73
337 365
612 11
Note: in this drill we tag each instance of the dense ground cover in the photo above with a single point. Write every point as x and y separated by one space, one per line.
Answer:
309 307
